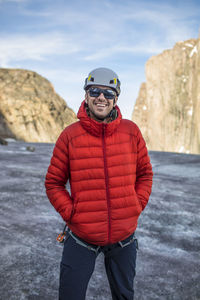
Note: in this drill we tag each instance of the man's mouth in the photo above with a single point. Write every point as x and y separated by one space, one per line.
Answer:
100 105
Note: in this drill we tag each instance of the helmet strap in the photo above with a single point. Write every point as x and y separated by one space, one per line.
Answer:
113 114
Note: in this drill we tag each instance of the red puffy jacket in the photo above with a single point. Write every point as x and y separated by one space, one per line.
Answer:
110 176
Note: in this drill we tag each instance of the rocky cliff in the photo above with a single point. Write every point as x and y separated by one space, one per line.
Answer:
30 110
167 109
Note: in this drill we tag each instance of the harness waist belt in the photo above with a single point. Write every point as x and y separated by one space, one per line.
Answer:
96 249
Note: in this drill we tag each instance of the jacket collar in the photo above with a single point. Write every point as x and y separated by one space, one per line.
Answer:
94 127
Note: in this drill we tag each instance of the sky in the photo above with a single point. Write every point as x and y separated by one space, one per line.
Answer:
64 40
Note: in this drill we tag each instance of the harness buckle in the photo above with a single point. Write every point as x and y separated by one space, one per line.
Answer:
61 237
129 242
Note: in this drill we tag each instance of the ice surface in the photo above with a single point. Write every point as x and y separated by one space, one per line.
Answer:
168 264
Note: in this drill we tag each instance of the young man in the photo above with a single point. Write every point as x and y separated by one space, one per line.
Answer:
105 159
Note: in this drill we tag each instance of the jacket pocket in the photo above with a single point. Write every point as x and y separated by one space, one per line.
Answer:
73 209
138 201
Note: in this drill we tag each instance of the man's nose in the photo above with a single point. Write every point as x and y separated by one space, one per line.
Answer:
101 97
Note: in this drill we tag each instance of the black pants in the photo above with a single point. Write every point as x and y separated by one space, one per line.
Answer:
77 266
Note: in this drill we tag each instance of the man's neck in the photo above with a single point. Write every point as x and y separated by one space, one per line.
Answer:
107 120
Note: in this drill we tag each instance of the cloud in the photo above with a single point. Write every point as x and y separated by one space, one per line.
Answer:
37 47
140 49
105 29
15 1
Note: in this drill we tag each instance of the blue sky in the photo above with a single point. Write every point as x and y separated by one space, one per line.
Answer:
64 40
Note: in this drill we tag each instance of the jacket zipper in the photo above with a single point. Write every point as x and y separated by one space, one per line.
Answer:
106 181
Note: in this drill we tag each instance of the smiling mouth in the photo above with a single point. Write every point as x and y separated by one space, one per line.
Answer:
100 105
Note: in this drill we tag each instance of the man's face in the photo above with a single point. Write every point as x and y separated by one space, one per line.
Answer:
100 105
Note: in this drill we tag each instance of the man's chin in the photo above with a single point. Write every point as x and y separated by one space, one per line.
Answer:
101 117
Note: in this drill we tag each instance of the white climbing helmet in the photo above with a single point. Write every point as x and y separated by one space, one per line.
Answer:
105 77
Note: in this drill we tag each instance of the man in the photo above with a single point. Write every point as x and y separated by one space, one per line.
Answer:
105 159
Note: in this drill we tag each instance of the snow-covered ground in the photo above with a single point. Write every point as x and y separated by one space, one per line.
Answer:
168 264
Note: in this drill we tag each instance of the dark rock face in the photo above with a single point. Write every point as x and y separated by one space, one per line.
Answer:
3 142
30 109
168 260
168 106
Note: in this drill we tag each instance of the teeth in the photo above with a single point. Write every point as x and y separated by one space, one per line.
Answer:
101 105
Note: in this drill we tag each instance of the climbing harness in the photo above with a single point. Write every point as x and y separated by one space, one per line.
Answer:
84 244
62 236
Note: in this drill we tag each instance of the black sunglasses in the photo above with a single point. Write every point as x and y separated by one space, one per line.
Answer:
96 92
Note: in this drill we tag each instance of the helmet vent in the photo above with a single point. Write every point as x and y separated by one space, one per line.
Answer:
92 79
111 81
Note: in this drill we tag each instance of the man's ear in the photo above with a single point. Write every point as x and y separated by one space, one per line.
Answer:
86 97
116 98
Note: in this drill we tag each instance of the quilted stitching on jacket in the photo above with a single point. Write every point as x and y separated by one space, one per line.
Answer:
110 177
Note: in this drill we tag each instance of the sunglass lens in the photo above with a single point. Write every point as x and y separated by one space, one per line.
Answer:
94 92
108 94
